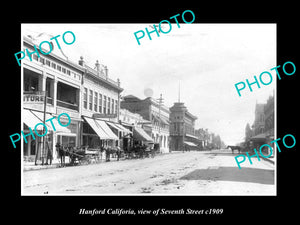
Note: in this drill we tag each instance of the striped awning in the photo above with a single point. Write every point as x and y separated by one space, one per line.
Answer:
119 127
101 129
30 119
140 134
56 125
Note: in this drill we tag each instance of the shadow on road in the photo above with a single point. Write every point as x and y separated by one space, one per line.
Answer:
252 175
226 153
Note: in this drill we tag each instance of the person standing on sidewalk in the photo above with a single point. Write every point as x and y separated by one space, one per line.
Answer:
107 153
49 156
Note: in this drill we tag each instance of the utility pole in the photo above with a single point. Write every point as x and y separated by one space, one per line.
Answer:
41 150
160 101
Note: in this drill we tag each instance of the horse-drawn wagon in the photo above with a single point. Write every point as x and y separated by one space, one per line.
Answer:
78 156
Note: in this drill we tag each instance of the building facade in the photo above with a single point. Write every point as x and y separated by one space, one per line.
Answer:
156 113
100 107
86 94
263 127
182 127
259 121
61 80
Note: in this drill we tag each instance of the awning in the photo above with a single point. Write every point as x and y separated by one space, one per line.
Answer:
190 143
192 136
160 119
164 121
30 119
119 127
58 127
259 137
96 127
140 134
107 130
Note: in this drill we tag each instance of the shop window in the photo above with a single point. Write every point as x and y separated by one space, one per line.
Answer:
68 141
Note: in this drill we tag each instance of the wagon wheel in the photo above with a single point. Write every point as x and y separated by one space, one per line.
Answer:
86 159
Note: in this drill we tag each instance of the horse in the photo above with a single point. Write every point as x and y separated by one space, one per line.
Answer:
61 154
232 147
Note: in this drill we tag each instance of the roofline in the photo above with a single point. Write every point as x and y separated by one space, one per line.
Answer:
29 41
84 69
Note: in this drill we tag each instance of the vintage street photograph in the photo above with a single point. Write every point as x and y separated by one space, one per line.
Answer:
105 113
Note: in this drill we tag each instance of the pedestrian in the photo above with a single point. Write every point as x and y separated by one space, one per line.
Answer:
49 155
107 153
118 153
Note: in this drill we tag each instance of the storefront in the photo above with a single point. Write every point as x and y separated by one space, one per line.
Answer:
96 133
141 137
66 136
259 140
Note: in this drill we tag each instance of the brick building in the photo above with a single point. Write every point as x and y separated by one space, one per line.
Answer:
156 113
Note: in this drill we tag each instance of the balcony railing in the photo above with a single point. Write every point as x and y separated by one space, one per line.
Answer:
67 105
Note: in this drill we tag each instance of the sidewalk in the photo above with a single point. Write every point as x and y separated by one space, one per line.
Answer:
271 159
30 166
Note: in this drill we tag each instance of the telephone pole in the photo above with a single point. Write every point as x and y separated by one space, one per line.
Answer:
160 102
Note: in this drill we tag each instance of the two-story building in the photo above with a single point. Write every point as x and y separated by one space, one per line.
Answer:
100 108
151 110
60 79
86 94
138 125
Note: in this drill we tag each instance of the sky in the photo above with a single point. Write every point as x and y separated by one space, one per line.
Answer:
206 59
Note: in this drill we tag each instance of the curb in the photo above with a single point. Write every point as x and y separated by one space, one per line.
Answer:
269 160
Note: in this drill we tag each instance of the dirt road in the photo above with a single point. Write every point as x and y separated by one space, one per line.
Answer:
190 173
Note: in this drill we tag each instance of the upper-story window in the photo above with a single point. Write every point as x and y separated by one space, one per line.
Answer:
42 60
96 102
85 98
91 100
104 104
112 106
53 65
108 105
35 57
100 103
